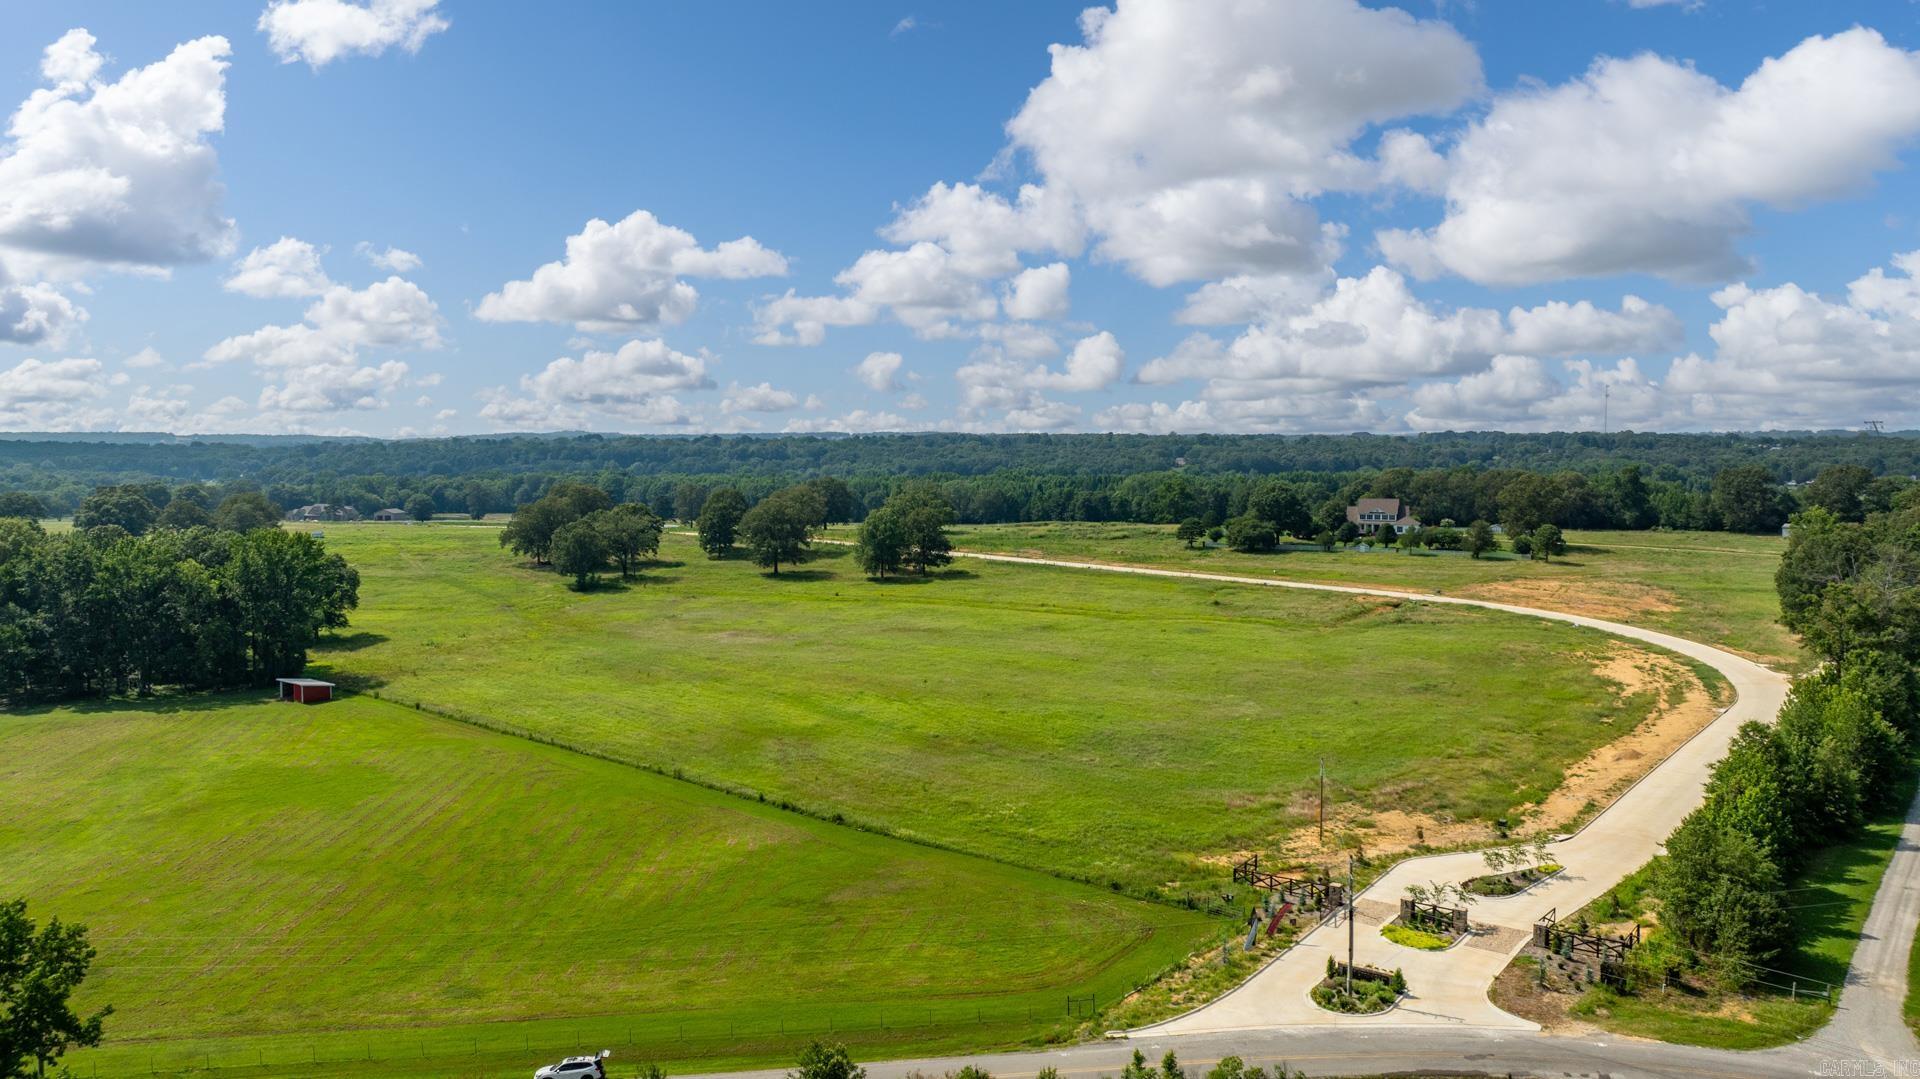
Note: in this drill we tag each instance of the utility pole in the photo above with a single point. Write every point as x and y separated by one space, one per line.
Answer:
1349 925
1606 404
1323 803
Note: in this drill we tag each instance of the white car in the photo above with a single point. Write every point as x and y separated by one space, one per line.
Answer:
577 1068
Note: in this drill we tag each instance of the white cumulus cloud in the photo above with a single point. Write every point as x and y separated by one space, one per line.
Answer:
319 32
881 371
1190 134
624 275
985 232
286 267
1558 328
118 173
633 384
1038 293
1646 165
761 398
316 366
36 314
993 381
53 395
393 259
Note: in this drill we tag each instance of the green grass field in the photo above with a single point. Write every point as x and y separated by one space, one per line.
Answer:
1110 728
269 885
330 891
1709 586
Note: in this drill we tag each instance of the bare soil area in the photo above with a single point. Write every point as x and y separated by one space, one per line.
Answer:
1679 707
1616 601
1518 990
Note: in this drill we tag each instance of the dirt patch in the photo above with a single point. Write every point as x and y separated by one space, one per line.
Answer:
1617 601
1377 832
1677 707
1518 991
1681 707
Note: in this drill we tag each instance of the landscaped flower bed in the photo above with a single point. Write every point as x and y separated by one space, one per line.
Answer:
1512 882
1515 869
1373 991
1410 937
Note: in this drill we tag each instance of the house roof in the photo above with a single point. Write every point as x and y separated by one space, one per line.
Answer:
304 682
1388 505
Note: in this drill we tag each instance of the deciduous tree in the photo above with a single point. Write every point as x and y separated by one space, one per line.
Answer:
1747 498
40 967
22 504
580 552
248 511
883 542
1250 533
629 531
124 506
1547 542
1480 539
779 528
720 520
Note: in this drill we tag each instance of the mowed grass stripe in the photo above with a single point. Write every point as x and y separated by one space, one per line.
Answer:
270 877
1104 728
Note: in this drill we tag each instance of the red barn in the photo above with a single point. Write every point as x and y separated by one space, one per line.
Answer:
305 690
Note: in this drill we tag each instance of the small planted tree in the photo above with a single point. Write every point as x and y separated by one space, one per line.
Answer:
1326 539
819 1061
1497 858
1190 531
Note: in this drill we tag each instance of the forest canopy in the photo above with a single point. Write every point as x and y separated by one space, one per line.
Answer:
1586 480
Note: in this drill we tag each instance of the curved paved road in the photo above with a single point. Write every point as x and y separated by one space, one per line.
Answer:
1448 1021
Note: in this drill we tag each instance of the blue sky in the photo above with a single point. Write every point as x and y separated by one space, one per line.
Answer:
1298 216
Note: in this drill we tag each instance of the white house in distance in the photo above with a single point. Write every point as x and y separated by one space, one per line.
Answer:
1373 514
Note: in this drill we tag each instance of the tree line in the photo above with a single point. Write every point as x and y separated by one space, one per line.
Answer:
992 478
1744 498
1840 751
579 528
102 612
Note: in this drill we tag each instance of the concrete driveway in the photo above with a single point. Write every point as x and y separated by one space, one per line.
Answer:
1448 990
